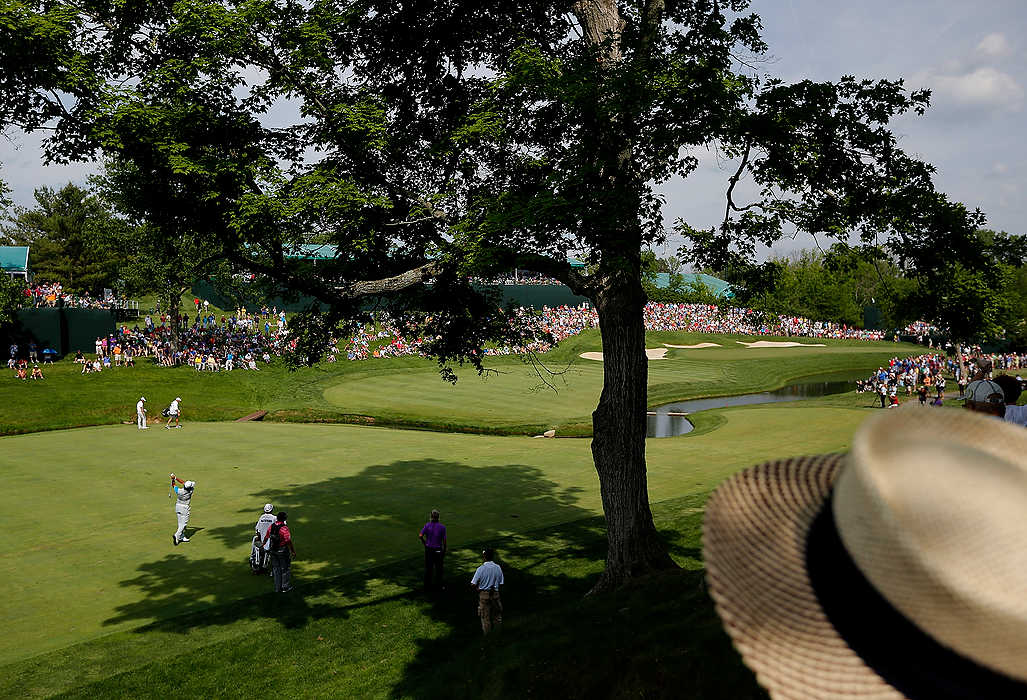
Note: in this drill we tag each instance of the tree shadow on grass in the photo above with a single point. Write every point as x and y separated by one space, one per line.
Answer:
657 638
351 534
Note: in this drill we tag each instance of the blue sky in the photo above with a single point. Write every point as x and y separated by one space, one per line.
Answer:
971 55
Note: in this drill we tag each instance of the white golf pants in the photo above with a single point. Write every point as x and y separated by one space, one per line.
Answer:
183 520
140 419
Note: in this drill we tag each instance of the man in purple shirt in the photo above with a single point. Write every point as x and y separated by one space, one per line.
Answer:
433 537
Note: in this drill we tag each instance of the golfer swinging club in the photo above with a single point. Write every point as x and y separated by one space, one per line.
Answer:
185 495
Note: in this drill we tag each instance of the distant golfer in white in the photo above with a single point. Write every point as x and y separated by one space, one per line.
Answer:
184 496
141 413
173 412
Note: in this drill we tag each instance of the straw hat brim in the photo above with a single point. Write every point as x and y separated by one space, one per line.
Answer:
754 544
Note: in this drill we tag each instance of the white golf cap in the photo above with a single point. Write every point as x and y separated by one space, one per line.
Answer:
190 484
142 398
178 398
268 507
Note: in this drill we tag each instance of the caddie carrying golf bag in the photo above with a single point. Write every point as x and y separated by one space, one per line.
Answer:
260 558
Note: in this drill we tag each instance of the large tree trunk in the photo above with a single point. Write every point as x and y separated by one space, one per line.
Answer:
619 427
619 421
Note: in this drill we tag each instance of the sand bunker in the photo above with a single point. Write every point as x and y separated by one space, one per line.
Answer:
775 344
651 353
694 347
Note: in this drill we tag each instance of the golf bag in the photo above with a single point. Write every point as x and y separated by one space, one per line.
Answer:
260 559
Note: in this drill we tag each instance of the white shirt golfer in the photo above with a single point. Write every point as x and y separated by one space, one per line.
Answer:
141 413
184 496
173 409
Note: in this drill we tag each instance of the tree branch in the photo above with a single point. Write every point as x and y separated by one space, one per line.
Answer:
396 283
341 293
734 181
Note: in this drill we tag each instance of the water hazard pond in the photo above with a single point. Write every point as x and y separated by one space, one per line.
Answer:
662 422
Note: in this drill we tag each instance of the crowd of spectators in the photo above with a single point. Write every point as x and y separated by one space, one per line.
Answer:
906 376
710 318
925 374
52 295
526 278
384 339
920 329
207 344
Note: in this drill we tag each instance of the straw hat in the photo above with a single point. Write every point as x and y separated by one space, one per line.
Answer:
899 570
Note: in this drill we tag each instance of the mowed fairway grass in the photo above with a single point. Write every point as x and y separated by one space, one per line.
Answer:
96 555
95 587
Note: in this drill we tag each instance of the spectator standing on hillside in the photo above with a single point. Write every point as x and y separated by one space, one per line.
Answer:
183 506
33 352
174 413
14 353
486 580
433 537
141 413
282 552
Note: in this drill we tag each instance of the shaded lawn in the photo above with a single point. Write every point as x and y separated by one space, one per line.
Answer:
659 638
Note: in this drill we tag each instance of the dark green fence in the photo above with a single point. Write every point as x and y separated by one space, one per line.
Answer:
64 330
541 295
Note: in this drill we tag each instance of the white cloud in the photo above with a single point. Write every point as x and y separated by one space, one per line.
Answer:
984 87
995 45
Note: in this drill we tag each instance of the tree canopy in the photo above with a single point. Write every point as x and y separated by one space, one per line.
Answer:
431 141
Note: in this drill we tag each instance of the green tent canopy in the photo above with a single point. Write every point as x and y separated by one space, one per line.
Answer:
14 260
719 287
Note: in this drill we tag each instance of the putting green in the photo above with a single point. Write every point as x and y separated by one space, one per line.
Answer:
514 398
89 521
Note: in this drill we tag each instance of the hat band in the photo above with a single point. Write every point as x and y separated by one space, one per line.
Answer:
896 649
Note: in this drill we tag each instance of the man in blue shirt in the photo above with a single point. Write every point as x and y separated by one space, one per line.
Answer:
487 579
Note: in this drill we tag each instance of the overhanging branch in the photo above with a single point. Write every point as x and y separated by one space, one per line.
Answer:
339 294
